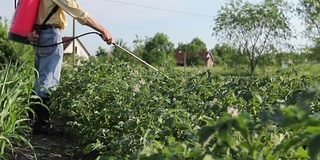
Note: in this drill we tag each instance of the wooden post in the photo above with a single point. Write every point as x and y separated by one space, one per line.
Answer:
185 58
74 42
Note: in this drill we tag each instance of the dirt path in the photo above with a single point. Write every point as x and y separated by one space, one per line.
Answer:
48 148
62 147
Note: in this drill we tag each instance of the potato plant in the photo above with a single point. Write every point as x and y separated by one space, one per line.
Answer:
125 112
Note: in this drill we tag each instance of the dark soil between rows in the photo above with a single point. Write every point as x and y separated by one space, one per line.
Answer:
60 147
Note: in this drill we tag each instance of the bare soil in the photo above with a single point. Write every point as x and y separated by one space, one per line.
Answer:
59 147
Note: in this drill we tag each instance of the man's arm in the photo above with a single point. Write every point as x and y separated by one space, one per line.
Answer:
106 36
74 10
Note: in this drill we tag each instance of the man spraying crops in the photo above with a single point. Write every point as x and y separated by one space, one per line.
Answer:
50 20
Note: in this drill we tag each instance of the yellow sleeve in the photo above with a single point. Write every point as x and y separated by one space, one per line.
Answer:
72 8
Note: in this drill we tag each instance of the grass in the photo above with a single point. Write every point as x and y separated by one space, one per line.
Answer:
311 69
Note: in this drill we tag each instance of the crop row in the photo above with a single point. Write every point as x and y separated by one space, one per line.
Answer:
126 112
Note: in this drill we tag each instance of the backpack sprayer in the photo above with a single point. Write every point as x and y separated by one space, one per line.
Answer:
23 22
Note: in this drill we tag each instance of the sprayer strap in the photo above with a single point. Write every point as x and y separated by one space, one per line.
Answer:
54 10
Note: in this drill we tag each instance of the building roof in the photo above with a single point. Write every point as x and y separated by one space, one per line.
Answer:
68 40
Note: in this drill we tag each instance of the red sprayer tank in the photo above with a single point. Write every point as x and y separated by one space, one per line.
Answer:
23 20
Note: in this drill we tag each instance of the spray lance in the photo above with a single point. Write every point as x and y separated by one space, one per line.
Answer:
23 21
135 56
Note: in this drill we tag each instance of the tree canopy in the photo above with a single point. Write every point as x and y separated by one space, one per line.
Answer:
195 45
255 28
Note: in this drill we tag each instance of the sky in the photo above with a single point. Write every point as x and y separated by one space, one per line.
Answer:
180 20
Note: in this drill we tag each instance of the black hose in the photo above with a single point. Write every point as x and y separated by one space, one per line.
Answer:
50 45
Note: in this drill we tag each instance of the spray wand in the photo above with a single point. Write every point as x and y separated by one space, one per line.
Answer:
133 55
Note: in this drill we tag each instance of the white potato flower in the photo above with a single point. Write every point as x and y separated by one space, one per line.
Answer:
234 112
136 88
142 82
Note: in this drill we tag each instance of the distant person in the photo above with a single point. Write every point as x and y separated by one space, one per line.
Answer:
48 60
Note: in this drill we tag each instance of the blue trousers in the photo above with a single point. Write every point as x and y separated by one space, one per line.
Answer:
48 61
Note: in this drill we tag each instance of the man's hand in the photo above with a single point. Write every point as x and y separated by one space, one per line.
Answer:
33 36
107 37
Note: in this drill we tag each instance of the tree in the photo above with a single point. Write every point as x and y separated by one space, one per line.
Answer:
217 59
193 59
159 50
101 51
121 54
138 48
195 45
256 28
13 51
229 55
314 51
309 12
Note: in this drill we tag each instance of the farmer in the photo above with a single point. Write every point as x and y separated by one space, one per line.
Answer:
51 19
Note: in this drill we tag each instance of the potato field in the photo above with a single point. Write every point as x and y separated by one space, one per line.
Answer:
121 111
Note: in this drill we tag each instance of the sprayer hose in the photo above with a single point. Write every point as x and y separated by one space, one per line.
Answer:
50 45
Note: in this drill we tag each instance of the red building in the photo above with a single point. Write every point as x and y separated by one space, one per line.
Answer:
205 56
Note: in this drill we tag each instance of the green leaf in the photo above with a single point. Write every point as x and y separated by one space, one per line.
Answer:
247 95
90 147
243 123
301 153
205 134
258 97
194 154
156 157
167 152
313 129
169 122
288 144
183 126
314 147
106 158
208 120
